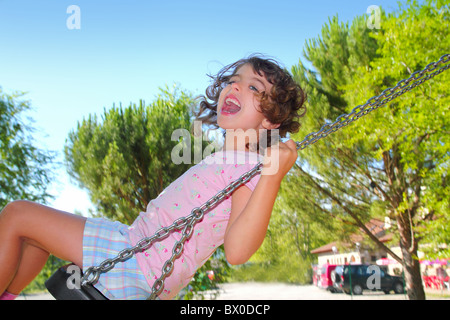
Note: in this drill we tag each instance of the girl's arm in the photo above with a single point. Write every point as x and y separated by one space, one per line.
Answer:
251 211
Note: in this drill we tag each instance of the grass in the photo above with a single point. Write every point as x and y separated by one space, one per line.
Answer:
437 294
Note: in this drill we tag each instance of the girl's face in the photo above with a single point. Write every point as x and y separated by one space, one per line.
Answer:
238 106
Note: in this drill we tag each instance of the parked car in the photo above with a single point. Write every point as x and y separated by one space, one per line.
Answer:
358 278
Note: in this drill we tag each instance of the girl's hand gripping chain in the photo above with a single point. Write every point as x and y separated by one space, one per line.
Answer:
279 159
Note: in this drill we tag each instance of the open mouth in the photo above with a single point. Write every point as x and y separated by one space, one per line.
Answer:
231 105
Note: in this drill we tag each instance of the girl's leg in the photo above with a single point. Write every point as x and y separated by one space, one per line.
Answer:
32 261
29 232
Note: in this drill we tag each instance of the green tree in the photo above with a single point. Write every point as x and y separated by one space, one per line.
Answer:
394 162
25 170
124 160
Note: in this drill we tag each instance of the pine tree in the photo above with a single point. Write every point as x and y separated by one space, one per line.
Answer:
124 160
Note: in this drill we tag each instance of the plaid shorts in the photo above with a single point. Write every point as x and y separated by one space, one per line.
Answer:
104 239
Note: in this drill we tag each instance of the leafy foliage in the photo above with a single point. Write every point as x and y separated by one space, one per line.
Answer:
124 160
414 131
25 170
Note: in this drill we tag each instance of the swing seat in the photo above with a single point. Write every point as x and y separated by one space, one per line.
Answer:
58 288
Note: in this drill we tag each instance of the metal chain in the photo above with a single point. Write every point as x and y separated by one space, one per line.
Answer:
188 223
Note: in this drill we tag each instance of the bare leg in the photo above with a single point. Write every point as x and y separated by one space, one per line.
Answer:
29 232
32 261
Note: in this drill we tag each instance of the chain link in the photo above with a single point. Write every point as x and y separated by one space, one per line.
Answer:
188 223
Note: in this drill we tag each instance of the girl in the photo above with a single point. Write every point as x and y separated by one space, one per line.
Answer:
249 96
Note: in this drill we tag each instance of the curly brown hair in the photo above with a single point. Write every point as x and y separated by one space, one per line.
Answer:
283 105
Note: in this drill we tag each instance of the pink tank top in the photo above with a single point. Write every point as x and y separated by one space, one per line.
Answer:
191 190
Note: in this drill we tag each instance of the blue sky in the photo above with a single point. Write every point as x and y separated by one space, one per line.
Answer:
125 50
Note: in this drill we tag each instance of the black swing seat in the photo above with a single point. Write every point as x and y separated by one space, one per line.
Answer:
58 287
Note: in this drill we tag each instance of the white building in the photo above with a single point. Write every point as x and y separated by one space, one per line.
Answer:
355 251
